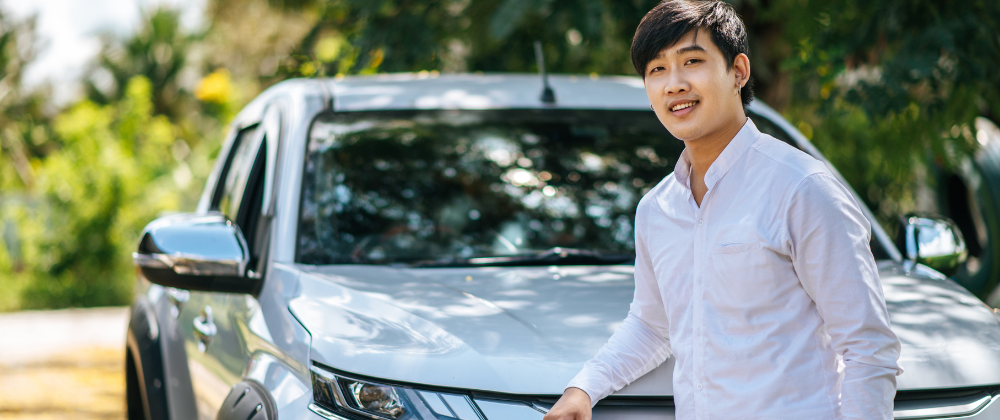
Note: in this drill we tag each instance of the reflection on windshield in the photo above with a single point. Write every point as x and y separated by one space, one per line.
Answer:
407 187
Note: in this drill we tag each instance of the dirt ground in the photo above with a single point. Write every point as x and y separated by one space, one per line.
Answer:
66 364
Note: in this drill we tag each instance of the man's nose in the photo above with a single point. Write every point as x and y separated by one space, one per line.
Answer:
675 84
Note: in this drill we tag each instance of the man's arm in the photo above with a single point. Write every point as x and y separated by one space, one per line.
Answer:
640 344
829 243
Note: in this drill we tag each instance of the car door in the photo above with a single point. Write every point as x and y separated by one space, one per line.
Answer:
214 323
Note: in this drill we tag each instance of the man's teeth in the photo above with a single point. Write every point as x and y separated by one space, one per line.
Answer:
682 106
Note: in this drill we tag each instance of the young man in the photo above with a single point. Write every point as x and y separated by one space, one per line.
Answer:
753 267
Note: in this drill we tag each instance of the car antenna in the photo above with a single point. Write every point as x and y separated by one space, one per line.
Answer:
548 96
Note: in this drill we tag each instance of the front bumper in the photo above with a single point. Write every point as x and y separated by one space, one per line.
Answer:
970 404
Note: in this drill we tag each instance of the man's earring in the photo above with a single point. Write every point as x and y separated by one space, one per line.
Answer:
739 89
651 108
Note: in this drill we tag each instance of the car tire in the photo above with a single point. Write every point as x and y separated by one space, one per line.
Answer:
146 394
134 407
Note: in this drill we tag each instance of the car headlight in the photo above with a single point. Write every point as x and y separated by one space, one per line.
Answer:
371 400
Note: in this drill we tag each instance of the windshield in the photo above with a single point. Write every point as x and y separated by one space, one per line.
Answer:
418 186
494 187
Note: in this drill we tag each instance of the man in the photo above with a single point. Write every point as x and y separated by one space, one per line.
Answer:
753 267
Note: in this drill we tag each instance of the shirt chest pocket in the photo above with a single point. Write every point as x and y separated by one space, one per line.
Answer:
740 276
736 248
735 239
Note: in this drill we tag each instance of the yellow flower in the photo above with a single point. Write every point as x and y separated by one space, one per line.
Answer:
328 49
307 69
216 87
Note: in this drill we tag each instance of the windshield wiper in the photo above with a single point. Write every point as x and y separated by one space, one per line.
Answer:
552 256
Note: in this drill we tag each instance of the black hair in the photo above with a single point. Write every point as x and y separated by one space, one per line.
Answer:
670 20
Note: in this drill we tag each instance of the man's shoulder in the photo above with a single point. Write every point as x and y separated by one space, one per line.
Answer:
656 198
788 162
802 175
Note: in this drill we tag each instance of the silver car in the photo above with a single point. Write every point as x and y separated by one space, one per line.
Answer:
456 247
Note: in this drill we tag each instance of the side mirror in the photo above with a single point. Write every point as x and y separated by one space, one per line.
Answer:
936 243
204 252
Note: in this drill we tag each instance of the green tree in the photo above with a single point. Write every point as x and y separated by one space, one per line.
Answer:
886 88
94 196
161 52
24 132
158 51
352 36
98 175
25 138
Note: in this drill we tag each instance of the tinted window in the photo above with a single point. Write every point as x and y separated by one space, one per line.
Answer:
412 186
249 212
236 175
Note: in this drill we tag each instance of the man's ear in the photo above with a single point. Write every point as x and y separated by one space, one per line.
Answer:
741 69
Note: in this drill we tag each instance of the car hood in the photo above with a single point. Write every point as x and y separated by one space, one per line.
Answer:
529 330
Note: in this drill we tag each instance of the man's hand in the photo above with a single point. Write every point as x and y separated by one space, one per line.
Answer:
573 405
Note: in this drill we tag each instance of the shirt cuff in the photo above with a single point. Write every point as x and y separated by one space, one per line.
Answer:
589 385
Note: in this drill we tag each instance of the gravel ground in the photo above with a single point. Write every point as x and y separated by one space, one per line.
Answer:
65 364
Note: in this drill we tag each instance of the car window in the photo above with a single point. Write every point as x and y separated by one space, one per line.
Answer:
219 188
249 213
400 187
233 183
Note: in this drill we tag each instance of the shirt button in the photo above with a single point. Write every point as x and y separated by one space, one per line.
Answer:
697 331
701 222
699 279
698 385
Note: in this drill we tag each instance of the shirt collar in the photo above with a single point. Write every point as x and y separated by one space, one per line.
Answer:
745 138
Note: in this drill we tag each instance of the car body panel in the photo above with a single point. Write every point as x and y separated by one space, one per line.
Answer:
519 329
257 339
950 339
217 366
528 330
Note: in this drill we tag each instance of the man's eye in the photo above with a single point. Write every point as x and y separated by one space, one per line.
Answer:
692 61
655 69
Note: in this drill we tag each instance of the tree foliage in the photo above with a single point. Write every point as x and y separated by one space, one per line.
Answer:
91 175
888 90
24 124
580 36
95 194
158 52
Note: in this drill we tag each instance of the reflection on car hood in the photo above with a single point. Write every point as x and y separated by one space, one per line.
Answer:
528 330
950 338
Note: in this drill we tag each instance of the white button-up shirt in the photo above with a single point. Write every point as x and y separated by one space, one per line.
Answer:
767 295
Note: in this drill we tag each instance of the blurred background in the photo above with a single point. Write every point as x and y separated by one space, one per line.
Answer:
112 111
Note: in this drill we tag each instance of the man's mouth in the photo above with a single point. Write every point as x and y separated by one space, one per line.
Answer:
683 106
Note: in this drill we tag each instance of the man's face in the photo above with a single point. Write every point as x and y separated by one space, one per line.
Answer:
690 90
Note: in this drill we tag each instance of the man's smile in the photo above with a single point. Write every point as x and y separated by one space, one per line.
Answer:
682 107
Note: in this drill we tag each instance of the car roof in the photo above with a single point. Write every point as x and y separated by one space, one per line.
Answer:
484 91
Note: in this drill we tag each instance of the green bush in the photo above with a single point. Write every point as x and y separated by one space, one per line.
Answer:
111 176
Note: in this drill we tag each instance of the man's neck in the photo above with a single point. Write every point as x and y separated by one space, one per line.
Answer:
703 151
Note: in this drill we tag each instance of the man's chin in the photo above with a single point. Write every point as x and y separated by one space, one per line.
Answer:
684 132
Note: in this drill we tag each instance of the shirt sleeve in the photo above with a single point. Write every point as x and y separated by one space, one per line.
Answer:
829 238
640 344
